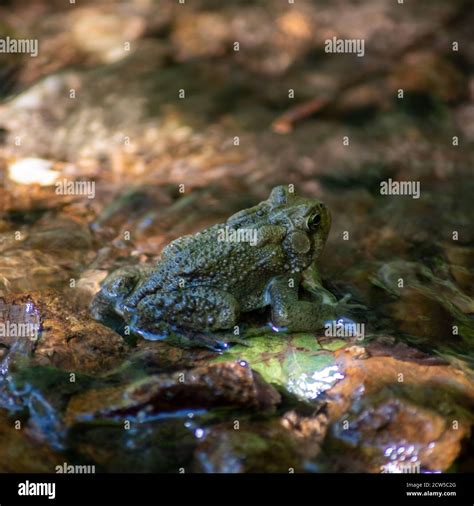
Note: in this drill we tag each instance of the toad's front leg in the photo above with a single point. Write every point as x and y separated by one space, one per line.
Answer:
290 312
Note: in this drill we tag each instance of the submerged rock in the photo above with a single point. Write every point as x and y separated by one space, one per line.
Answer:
283 444
164 446
21 453
265 447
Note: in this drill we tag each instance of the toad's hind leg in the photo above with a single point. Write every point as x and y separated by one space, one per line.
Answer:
195 310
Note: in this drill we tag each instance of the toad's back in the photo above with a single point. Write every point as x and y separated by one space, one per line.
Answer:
205 259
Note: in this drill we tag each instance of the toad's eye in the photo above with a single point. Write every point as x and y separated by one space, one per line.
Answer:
313 222
259 213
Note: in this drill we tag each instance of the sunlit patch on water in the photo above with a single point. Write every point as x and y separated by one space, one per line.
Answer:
404 458
199 432
147 424
402 453
33 171
312 385
143 416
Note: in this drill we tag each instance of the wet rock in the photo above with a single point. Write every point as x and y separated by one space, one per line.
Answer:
392 434
282 444
20 322
158 355
68 338
310 431
72 341
226 384
42 394
253 448
401 351
389 411
20 328
428 304
369 375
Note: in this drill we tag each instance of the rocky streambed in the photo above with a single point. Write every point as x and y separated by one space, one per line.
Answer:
399 397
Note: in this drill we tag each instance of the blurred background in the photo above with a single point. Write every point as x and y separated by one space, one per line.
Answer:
183 113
